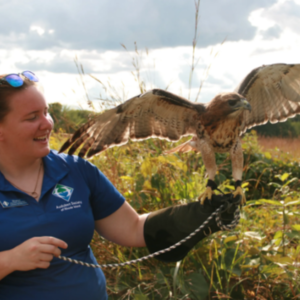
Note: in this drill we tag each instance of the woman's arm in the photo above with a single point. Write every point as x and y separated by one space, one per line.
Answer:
124 227
166 227
34 253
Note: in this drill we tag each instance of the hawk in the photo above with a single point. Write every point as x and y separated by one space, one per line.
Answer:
268 93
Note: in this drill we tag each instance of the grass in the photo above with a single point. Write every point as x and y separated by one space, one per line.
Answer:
259 259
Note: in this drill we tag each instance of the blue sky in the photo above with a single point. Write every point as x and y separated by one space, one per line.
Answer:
234 36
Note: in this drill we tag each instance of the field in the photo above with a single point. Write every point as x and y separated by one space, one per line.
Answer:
259 259
281 146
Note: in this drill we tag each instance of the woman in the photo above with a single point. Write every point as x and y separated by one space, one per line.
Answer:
51 203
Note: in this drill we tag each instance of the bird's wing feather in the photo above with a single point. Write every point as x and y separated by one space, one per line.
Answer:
273 92
154 114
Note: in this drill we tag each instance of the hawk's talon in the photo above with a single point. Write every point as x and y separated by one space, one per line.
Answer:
239 191
206 194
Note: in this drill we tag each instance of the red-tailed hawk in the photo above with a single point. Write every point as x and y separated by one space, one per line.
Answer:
272 93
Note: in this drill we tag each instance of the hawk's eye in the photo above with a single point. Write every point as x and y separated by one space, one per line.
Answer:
232 102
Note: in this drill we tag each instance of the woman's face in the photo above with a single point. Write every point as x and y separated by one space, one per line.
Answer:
25 130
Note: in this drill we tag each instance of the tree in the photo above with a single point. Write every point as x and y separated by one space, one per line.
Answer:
66 119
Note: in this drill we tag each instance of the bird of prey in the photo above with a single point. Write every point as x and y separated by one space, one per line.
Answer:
267 93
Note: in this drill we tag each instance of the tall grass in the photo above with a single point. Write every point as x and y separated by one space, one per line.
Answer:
260 259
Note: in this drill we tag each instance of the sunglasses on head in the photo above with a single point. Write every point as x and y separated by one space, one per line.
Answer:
15 80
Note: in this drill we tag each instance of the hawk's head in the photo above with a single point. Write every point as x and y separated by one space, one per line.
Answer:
226 104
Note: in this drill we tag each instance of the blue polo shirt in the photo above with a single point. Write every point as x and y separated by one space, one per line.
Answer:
74 194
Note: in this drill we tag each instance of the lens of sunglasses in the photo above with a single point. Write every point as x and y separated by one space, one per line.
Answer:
14 80
31 76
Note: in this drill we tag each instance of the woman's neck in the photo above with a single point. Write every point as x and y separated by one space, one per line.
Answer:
19 169
26 178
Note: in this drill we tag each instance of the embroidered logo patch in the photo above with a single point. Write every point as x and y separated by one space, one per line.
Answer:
12 203
63 192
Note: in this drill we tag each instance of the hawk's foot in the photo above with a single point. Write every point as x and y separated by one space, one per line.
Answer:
206 194
239 191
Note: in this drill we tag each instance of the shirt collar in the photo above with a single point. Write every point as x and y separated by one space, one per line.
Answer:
55 168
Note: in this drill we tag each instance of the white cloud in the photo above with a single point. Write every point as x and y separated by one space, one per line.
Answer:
256 19
39 30
284 14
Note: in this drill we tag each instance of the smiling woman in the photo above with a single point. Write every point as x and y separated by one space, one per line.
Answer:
25 130
23 140
37 220
50 204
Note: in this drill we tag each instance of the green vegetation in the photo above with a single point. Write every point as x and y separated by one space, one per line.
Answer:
259 259
289 128
67 119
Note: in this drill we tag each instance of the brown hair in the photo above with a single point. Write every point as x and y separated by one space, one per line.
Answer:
6 91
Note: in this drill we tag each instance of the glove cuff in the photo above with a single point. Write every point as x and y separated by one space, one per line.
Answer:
238 183
211 184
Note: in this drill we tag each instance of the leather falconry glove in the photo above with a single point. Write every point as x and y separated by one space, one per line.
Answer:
167 226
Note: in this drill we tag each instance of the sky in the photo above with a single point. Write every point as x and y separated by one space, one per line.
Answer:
233 37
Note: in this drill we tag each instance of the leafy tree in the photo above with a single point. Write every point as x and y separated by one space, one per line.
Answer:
67 119
285 129
290 128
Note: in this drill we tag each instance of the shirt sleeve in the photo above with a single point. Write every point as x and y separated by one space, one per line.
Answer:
105 199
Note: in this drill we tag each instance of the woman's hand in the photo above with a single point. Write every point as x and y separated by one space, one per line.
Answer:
35 253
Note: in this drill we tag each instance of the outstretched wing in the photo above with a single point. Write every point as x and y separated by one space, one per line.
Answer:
273 92
156 113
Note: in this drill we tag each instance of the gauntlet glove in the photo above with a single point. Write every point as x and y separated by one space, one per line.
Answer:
167 226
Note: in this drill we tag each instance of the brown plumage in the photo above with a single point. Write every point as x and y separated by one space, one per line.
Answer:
272 92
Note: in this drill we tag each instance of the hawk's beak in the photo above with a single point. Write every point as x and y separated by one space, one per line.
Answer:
244 104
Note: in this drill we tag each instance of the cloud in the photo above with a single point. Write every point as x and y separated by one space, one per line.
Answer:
63 61
102 25
273 32
46 39
57 64
281 17
285 14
